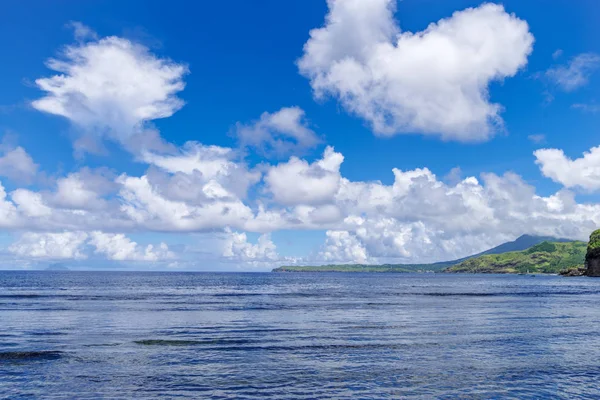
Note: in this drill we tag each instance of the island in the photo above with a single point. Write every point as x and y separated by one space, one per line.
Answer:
57 267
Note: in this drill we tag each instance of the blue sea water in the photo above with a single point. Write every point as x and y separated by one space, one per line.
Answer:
129 335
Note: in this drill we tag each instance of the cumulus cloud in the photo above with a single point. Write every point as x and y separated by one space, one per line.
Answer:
17 165
433 82
210 169
198 188
29 203
342 246
84 190
424 220
419 218
298 182
111 87
237 248
582 172
76 245
145 204
278 134
9 215
62 245
118 247
574 74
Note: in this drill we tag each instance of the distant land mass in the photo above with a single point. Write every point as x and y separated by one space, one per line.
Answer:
57 267
523 242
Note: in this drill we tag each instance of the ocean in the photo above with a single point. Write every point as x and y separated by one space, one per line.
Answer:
144 335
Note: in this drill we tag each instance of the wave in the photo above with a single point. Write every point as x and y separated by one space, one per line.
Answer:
22 296
42 355
248 345
183 342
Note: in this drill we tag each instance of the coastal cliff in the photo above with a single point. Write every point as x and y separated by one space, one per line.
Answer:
592 257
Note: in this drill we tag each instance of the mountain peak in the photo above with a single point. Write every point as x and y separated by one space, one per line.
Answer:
523 242
524 237
538 239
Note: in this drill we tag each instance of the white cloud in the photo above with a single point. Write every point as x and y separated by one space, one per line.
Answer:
575 74
197 165
81 31
111 87
118 247
298 182
433 82
17 165
583 172
8 212
83 190
72 245
237 248
279 134
342 246
29 203
421 219
537 139
62 245
144 204
199 188
388 240
211 161
454 176
72 193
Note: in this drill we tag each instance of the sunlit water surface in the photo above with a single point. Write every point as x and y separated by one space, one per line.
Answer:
287 336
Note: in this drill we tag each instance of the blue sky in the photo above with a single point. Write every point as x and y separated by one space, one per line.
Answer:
237 135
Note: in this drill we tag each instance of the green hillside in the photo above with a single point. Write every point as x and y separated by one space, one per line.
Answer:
546 257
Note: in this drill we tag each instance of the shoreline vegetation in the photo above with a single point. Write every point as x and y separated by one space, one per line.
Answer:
526 255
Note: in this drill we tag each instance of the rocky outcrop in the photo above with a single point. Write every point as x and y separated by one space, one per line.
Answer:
576 271
592 257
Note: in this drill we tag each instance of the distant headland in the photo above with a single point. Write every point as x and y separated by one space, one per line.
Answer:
526 255
57 267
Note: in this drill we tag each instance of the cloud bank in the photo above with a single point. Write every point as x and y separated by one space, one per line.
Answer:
433 82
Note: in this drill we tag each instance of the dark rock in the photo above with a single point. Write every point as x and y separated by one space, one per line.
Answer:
573 272
592 257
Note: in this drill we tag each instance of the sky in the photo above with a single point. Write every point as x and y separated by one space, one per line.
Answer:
241 136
